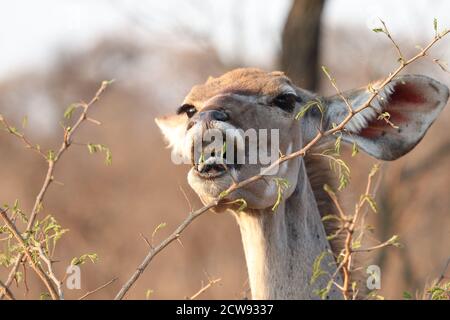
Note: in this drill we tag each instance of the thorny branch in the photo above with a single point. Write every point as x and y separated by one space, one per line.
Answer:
403 63
51 273
349 228
87 294
155 250
34 264
52 160
5 290
12 130
210 283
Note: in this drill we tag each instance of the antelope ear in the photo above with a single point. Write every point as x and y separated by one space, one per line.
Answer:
172 128
397 119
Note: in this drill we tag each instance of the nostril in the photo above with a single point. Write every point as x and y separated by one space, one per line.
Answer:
219 115
190 124
207 116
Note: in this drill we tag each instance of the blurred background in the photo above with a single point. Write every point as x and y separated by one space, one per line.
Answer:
55 52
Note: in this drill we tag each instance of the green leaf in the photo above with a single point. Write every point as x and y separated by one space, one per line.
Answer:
435 25
331 217
148 294
440 291
24 122
374 295
44 296
327 73
18 276
355 149
310 104
13 130
337 145
317 268
323 293
159 227
224 149
394 241
223 194
108 159
407 295
51 155
373 205
282 185
94 148
93 257
69 111
374 169
356 244
243 204
108 82
377 30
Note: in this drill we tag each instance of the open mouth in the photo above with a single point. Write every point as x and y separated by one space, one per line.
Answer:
212 167
211 170
213 162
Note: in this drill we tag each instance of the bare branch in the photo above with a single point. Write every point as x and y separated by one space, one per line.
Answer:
50 272
401 59
210 283
87 294
387 243
444 270
21 136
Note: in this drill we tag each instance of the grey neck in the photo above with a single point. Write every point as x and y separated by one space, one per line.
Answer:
280 247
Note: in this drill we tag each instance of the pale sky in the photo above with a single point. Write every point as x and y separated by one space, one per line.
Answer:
32 32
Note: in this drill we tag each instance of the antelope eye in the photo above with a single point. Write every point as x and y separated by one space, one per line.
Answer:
188 109
285 101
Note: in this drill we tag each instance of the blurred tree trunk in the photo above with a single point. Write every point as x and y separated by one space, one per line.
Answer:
300 43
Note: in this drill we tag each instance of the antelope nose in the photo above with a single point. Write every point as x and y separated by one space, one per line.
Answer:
207 116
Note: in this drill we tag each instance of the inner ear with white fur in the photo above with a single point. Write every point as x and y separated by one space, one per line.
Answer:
405 110
402 109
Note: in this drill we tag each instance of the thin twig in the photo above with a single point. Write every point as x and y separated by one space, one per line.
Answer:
145 240
21 136
379 246
210 283
396 46
87 294
348 250
50 272
442 275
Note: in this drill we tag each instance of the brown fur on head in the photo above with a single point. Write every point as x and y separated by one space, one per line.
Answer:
246 81
247 97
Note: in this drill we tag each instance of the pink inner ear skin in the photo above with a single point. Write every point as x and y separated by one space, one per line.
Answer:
378 128
406 93
404 96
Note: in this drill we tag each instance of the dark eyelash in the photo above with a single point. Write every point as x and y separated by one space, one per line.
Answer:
185 108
